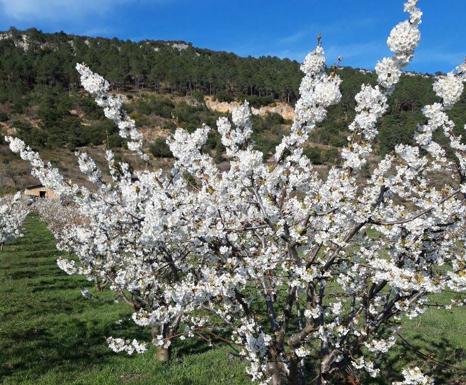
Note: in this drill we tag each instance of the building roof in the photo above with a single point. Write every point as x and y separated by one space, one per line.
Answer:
34 186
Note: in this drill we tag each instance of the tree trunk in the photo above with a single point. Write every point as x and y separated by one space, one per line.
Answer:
163 354
295 376
275 373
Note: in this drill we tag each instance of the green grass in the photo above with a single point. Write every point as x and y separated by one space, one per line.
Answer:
50 334
437 343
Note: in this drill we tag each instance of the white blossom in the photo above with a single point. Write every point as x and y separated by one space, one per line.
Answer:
13 212
449 88
121 345
288 263
414 376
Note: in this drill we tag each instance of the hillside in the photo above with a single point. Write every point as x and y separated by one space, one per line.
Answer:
169 84
34 58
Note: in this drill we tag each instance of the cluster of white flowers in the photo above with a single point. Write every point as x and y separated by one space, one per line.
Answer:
371 102
381 346
318 91
403 39
255 349
367 365
388 72
371 105
260 249
98 87
449 89
13 212
121 345
414 376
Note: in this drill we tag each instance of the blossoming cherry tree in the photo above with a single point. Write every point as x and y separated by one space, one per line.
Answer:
309 277
13 212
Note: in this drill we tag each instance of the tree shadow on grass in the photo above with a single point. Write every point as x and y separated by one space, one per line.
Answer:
38 351
198 345
58 286
190 346
439 359
70 346
45 327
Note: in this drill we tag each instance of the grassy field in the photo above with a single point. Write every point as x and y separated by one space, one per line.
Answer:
50 334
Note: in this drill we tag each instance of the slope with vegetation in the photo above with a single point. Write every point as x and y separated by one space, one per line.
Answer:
165 84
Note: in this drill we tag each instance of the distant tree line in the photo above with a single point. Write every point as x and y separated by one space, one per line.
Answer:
165 67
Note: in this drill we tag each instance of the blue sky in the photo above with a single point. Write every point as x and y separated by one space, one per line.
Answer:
354 29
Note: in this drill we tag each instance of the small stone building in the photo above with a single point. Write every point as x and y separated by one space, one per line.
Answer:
39 192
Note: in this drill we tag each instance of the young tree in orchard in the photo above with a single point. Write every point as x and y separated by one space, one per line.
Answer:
309 276
13 211
57 215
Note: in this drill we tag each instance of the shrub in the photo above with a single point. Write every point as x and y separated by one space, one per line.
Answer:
4 117
160 149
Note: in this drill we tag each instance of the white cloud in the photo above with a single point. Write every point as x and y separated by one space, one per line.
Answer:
328 29
27 10
363 55
357 50
295 37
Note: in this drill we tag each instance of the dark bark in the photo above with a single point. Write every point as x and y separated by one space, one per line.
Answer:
163 354
275 373
296 375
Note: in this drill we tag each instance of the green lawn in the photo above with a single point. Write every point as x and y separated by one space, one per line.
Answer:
50 334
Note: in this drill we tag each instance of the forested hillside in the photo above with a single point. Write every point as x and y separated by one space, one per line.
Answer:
31 58
164 84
